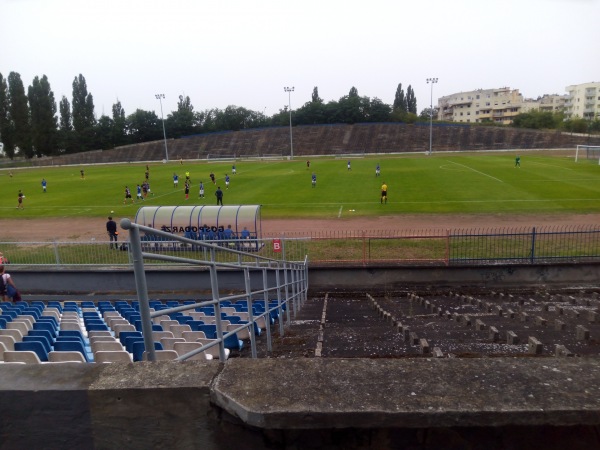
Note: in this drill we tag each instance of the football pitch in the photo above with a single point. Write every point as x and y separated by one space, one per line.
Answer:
446 183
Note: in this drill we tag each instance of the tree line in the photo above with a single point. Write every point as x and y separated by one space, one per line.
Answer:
33 124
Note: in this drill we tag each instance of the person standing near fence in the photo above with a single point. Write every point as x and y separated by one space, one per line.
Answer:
219 195
111 229
8 289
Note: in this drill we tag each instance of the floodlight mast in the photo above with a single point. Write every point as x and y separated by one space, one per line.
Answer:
431 81
159 98
289 90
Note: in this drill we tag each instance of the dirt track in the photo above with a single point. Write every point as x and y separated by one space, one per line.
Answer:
85 229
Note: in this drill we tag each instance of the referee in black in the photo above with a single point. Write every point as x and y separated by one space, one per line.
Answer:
111 229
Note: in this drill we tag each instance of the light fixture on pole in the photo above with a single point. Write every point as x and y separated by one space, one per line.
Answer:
289 90
431 81
159 98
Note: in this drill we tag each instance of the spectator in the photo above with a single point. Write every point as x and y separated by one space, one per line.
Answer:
3 259
111 229
245 233
8 289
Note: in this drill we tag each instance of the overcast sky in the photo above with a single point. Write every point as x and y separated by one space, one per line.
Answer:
243 53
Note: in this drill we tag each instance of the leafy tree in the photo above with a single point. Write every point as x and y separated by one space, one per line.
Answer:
43 117
83 113
65 130
536 120
19 114
312 112
182 121
104 133
400 100
411 100
426 114
6 129
119 121
379 111
144 126
315 96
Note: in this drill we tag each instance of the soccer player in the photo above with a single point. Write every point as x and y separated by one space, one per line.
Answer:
139 193
233 171
518 161
187 177
175 180
212 178
226 181
127 195
20 198
349 166
307 164
377 170
201 194
187 189
44 185
82 174
145 189
314 179
384 189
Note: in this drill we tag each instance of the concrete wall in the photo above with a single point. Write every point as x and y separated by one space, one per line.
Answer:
374 278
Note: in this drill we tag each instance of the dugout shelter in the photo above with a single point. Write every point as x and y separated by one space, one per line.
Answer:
183 220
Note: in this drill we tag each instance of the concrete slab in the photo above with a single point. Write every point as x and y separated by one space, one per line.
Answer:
410 393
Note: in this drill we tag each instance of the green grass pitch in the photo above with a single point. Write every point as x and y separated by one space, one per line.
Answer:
439 184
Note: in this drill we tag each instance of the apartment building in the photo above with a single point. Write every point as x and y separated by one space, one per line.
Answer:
482 105
583 101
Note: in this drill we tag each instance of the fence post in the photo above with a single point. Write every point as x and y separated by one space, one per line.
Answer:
140 285
447 246
56 254
533 235
364 248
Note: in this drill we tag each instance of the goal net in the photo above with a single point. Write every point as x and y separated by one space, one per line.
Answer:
588 152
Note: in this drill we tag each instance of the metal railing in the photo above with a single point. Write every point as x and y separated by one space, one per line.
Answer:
407 247
287 285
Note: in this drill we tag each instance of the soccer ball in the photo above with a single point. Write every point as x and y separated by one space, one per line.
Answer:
23 196
112 212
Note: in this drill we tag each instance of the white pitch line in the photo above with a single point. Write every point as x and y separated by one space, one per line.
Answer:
340 212
470 168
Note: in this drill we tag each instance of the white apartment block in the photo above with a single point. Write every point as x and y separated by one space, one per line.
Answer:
483 105
583 101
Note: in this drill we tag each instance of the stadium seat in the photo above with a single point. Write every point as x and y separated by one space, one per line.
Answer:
3 349
36 347
162 355
192 336
103 346
22 357
183 348
138 349
66 356
71 346
113 357
44 341
8 341
214 350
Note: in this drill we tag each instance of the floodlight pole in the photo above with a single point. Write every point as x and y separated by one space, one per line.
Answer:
160 97
431 81
289 90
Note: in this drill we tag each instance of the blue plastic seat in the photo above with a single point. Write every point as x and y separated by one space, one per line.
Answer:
40 325
44 333
97 327
210 330
130 340
57 305
125 334
233 343
44 341
139 347
33 346
71 346
194 324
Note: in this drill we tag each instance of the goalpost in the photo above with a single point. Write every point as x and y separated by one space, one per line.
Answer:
588 152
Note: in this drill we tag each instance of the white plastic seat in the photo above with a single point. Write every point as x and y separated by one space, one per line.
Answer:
66 356
16 334
21 356
214 350
101 346
123 327
8 342
192 336
185 347
242 334
169 343
2 350
158 335
113 357
23 327
162 355
178 330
